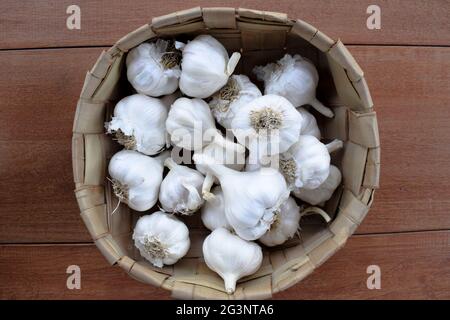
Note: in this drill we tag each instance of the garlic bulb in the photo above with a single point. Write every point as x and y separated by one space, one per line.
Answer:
139 123
205 67
180 189
238 91
323 192
251 198
136 178
225 152
268 125
154 68
189 122
161 238
285 225
231 257
213 212
294 78
306 164
309 124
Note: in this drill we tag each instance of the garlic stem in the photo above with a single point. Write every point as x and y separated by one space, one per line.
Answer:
227 144
230 283
206 187
169 163
232 63
315 210
316 104
162 157
334 145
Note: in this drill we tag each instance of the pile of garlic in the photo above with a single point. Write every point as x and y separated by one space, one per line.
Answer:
269 168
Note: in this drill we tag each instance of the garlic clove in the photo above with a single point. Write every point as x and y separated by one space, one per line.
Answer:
139 123
213 212
231 257
154 68
136 178
181 188
268 125
294 78
251 198
323 192
205 67
285 224
161 238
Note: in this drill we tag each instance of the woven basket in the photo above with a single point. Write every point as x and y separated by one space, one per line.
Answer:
262 37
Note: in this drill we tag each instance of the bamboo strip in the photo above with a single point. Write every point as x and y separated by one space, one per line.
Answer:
219 18
363 129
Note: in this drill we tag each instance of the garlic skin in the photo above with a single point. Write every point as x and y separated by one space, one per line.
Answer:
213 212
205 67
294 78
161 238
187 122
136 178
238 91
154 68
268 125
231 257
224 152
285 225
309 124
180 191
138 124
306 164
323 192
251 198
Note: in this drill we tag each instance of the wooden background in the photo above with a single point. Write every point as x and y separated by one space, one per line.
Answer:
407 66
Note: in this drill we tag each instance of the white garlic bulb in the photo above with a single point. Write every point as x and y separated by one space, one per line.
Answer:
136 178
285 225
154 68
189 122
161 238
139 123
225 152
294 78
205 67
268 125
213 212
231 257
238 91
306 164
180 189
251 198
323 192
309 124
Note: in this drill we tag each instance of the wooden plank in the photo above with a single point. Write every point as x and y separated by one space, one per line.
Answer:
410 90
413 266
42 23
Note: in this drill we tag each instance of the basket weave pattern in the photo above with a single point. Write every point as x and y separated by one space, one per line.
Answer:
261 37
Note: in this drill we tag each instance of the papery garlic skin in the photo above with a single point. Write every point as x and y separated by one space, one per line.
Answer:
139 123
238 91
231 257
187 123
180 191
205 67
136 178
213 212
309 124
268 125
153 68
285 225
251 198
306 164
224 152
323 192
294 78
161 238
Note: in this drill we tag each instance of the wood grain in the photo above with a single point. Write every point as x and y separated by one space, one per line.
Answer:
42 23
410 89
413 266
